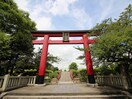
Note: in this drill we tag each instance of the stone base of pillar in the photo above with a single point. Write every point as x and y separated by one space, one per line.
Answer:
91 79
40 80
39 85
92 85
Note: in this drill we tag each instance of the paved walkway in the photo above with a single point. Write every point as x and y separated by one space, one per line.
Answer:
64 89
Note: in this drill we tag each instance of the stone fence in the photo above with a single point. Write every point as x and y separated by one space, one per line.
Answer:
121 82
8 82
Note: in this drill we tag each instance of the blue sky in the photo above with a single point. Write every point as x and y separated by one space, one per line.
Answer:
70 15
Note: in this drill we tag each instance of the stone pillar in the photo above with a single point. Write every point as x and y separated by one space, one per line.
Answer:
126 83
5 83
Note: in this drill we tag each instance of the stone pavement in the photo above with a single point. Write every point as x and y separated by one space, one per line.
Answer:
64 89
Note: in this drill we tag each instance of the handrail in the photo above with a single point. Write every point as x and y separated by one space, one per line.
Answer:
1 81
71 75
59 76
114 81
8 82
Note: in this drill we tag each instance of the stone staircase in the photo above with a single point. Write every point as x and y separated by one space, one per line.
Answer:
65 78
65 89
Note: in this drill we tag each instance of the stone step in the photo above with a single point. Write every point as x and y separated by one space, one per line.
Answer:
62 94
66 97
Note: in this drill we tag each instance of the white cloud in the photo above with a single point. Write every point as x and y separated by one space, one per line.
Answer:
66 7
43 12
67 53
60 7
81 18
44 23
22 4
106 9
36 11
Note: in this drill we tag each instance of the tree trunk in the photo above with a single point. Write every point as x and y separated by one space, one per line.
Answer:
7 69
12 68
8 66
13 65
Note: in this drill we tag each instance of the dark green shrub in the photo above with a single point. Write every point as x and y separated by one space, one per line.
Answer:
31 72
52 74
55 74
75 73
83 75
49 73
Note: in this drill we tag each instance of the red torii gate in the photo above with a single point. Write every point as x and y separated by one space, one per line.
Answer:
65 34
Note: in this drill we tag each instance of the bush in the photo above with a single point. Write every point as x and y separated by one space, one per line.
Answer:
75 73
49 73
83 75
96 71
31 72
52 74
55 74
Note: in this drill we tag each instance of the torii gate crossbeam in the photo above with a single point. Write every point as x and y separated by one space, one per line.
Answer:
61 42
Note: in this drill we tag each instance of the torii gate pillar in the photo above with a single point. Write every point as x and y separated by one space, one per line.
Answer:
42 67
88 60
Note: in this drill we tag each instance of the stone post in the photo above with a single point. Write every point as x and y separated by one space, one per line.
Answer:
126 83
5 83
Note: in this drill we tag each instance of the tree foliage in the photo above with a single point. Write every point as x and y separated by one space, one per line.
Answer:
4 46
73 66
17 24
83 75
4 51
12 19
115 42
50 60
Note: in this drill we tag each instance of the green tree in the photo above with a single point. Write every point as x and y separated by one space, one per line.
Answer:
14 20
5 51
17 23
73 65
114 45
4 47
25 64
50 60
56 68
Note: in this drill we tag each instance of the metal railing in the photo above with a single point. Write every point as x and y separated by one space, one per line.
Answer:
8 82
